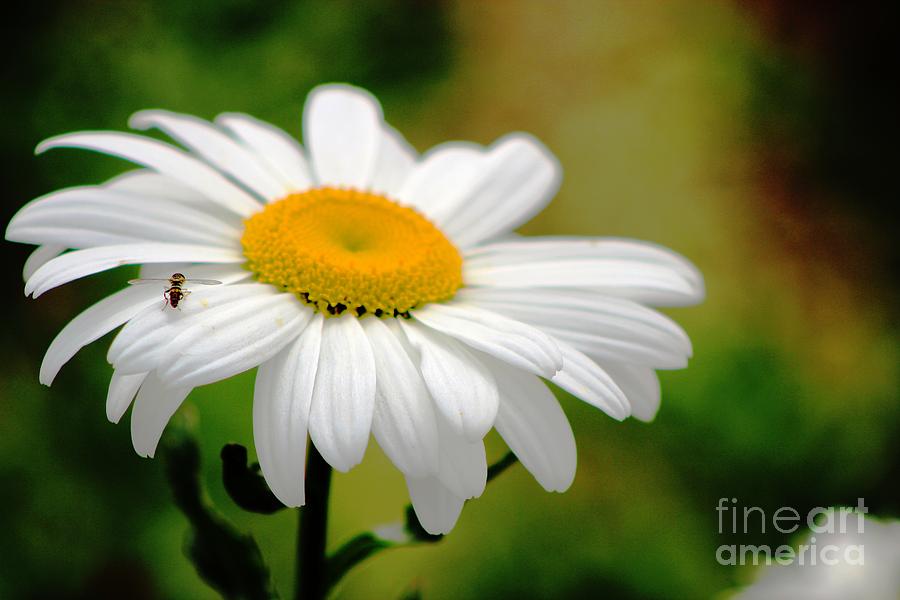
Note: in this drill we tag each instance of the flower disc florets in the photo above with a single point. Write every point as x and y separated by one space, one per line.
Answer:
343 249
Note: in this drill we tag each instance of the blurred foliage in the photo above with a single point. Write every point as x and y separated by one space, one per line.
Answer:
727 132
228 560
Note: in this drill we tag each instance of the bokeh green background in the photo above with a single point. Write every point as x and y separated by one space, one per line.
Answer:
757 138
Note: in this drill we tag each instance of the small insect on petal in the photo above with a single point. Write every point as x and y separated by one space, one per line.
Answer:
175 292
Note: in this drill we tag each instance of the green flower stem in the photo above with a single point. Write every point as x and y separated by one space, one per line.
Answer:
312 576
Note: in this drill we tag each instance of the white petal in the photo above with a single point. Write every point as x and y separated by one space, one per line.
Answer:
644 283
524 249
64 217
215 147
396 160
462 387
344 395
280 151
532 423
637 270
95 322
90 228
281 402
584 379
463 464
403 423
154 406
69 237
607 349
150 184
164 158
122 389
580 309
39 257
641 386
619 329
437 508
146 183
439 182
80 263
342 129
229 340
148 337
516 180
511 341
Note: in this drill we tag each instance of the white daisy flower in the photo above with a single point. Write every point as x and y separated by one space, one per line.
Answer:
849 556
378 291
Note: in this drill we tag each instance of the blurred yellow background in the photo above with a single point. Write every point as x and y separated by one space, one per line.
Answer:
740 134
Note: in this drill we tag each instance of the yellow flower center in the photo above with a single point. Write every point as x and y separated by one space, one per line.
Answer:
341 249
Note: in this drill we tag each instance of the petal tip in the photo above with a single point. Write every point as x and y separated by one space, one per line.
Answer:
340 87
47 144
47 375
142 449
532 143
57 141
143 119
343 91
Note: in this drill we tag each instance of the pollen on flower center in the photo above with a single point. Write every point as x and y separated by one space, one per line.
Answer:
342 249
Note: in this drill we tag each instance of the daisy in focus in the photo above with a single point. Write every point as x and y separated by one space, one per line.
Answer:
378 291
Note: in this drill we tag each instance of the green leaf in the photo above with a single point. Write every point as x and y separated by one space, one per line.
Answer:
245 484
225 558
367 544
352 553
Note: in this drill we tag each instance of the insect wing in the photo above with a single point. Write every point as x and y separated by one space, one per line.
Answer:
147 280
203 281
